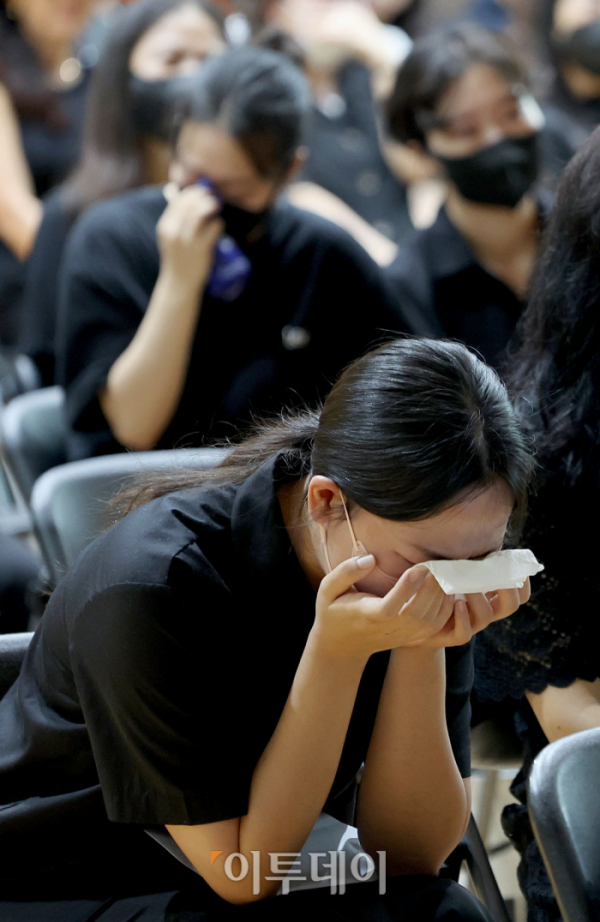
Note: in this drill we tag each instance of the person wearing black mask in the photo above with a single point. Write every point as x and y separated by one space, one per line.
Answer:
461 99
187 309
151 50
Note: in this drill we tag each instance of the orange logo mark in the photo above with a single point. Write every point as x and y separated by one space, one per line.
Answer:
214 855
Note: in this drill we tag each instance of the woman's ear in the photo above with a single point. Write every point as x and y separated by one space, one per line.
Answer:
323 496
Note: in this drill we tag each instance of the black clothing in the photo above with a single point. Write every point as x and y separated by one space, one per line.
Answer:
40 294
51 154
560 139
153 685
576 118
315 301
345 156
455 296
552 640
407 899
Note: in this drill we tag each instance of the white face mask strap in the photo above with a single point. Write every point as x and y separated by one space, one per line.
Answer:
355 548
356 551
324 546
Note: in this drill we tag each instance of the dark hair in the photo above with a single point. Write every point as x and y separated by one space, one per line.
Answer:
408 430
111 160
277 40
259 97
413 19
22 73
434 63
555 371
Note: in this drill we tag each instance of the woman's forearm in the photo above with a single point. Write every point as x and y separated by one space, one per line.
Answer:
290 783
412 801
20 210
145 383
20 218
294 775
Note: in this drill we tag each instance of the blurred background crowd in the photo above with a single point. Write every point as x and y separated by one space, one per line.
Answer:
208 209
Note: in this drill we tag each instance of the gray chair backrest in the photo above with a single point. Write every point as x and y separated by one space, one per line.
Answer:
564 805
18 375
33 435
12 651
69 502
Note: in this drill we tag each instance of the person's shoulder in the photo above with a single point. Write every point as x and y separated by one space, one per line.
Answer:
166 542
293 226
117 232
121 214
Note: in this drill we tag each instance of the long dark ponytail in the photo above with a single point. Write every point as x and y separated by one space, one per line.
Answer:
408 429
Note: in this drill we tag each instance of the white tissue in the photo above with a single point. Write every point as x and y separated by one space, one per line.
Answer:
500 570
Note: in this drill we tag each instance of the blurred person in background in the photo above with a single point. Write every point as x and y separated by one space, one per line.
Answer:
350 58
462 101
405 14
152 48
548 659
152 350
569 31
518 19
350 51
43 87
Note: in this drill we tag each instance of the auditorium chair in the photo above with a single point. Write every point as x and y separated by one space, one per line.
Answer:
32 437
12 651
70 502
564 808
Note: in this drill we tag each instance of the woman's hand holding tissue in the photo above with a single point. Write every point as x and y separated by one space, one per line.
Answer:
474 611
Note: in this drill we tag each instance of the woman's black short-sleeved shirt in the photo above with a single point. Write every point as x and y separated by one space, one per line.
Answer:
160 670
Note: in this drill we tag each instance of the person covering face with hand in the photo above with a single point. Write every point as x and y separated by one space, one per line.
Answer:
224 672
140 324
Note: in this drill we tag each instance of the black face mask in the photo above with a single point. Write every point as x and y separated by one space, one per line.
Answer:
583 46
153 104
244 226
497 175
